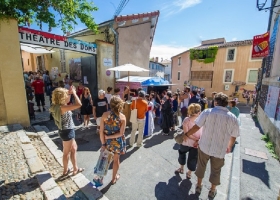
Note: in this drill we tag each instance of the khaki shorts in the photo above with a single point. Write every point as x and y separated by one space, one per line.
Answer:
98 120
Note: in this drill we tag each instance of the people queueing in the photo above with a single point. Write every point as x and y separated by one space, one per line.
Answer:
220 129
62 114
175 111
184 101
149 121
213 96
142 107
86 108
108 95
167 114
39 86
112 128
100 105
190 144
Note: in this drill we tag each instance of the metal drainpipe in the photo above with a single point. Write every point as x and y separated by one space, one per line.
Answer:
116 45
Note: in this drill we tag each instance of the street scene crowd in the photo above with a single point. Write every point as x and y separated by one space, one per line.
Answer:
208 129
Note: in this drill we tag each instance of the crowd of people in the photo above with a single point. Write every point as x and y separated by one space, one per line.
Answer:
208 133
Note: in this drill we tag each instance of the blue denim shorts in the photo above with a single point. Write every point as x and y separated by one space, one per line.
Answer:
67 134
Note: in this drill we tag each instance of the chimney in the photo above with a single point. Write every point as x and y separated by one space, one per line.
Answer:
156 59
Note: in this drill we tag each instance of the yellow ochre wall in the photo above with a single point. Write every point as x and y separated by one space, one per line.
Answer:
240 66
12 92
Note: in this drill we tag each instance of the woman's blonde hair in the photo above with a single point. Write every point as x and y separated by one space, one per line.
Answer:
59 96
116 104
193 109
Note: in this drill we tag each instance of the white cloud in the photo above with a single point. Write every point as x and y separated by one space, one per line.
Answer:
177 6
166 51
234 39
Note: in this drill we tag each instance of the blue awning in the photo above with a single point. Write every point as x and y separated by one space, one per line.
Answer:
155 81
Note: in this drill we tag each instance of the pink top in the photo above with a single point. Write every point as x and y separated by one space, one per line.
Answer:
187 125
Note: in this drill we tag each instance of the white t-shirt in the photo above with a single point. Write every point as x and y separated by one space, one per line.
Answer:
108 96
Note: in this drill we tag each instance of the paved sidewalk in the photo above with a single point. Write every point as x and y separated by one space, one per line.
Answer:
260 178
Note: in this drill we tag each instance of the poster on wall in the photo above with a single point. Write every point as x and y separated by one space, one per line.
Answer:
75 69
271 102
277 115
260 45
54 73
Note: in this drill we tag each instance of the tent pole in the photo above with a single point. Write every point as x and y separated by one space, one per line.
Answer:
128 86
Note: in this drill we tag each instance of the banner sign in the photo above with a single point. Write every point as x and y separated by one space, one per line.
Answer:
260 45
41 38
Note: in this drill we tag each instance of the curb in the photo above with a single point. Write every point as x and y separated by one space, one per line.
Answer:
80 180
49 187
234 182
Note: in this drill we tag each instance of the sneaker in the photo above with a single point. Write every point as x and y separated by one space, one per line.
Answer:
139 145
198 189
39 110
212 193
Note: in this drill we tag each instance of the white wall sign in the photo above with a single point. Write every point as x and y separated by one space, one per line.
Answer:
107 62
41 38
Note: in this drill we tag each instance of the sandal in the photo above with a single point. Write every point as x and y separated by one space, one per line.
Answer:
66 174
189 176
212 193
78 171
198 189
113 182
180 171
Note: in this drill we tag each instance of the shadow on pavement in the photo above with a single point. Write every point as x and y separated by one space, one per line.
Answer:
257 170
174 189
157 139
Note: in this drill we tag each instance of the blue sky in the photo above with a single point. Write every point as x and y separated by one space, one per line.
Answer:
184 23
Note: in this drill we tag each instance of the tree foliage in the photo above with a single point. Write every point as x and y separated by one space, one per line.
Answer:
207 55
55 13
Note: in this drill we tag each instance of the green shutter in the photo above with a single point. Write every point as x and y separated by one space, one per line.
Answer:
253 76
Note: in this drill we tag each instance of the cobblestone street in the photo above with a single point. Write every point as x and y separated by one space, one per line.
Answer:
16 181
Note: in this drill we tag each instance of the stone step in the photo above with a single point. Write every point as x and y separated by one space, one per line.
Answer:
49 187
84 185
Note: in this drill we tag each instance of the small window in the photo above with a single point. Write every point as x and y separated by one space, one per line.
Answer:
253 76
228 75
179 61
179 76
230 55
152 66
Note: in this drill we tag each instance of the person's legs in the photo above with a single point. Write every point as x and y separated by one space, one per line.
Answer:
67 145
73 155
42 99
37 99
192 160
85 120
133 132
216 166
141 125
116 164
182 157
201 166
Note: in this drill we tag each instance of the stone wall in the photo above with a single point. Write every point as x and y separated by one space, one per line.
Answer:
13 102
269 128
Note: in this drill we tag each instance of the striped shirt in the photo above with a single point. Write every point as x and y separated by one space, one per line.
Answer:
219 124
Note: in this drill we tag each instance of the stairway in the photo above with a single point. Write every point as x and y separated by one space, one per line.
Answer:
44 160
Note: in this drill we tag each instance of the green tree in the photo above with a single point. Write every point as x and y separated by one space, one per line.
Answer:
55 13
